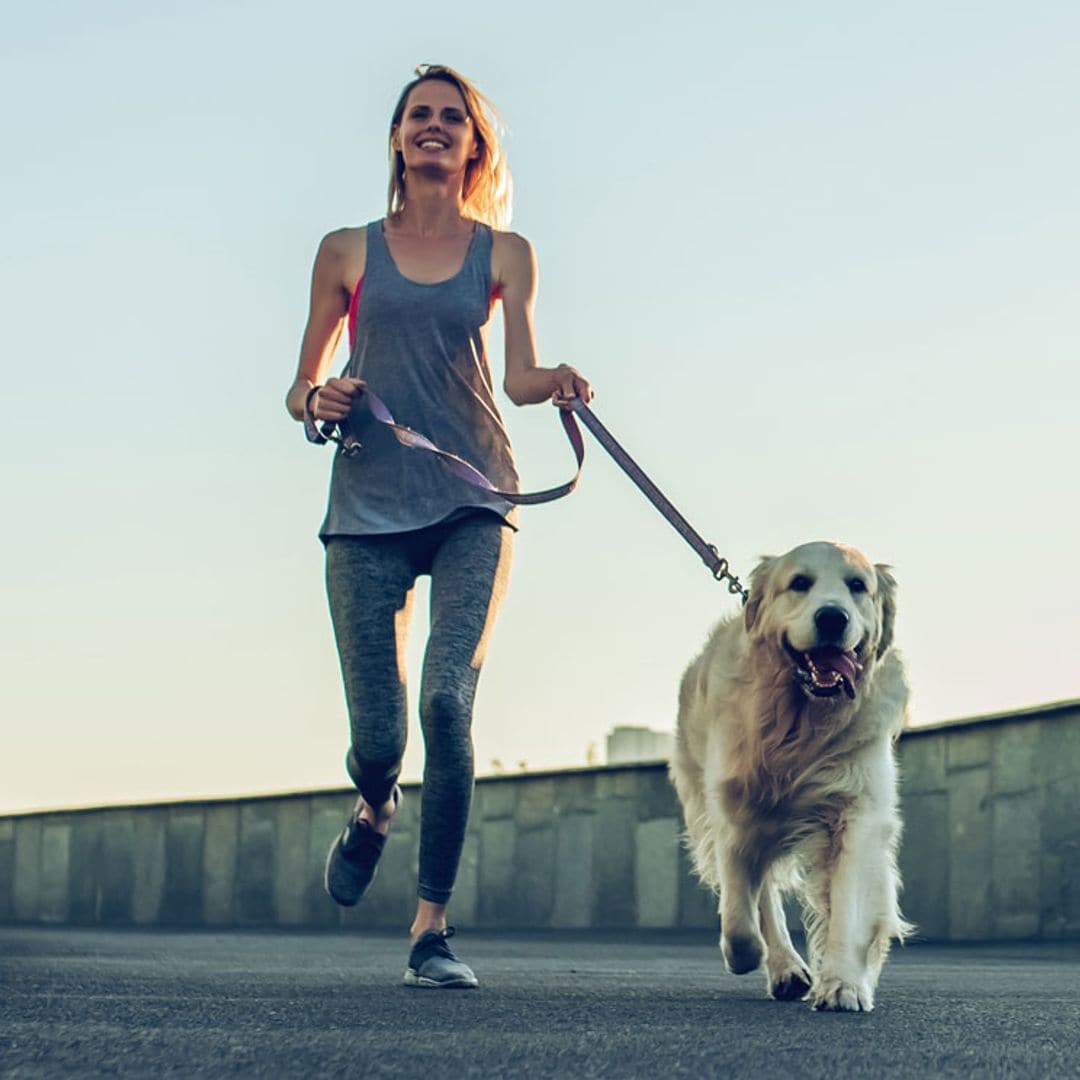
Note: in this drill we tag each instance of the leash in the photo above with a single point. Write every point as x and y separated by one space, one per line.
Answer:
706 551
350 445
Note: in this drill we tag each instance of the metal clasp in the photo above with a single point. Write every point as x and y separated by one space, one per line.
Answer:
721 570
349 443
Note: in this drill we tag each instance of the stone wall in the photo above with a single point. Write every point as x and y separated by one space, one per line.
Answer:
991 850
992 826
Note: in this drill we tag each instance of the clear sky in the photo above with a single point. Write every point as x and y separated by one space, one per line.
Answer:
820 261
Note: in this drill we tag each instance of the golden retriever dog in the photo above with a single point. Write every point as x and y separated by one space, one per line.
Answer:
785 770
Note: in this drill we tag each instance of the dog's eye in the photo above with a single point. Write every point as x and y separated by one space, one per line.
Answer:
857 585
800 583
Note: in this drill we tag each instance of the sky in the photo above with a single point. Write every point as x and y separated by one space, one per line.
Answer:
819 261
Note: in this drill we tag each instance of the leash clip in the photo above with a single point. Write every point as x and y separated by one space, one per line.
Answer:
721 569
349 443
720 566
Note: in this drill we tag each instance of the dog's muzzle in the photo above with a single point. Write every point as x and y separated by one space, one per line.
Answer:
826 671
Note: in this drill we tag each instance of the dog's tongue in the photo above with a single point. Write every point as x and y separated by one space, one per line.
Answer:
830 659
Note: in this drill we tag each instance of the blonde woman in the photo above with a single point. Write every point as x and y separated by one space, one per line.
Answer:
416 290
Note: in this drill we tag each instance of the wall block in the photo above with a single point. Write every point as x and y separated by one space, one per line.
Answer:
990 851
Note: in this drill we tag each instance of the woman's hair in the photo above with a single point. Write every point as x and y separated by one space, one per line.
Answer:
487 187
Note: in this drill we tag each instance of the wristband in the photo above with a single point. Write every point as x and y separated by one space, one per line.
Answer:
311 428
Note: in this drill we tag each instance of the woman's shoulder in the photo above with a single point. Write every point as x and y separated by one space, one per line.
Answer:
513 265
346 249
511 242
344 241
511 256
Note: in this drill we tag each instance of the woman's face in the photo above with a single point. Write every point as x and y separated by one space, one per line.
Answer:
436 133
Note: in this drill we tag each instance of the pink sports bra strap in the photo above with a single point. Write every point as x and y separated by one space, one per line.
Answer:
353 304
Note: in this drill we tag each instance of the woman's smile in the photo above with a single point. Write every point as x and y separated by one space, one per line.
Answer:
436 125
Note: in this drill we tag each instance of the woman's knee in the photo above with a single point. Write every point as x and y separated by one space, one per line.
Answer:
446 719
374 778
448 703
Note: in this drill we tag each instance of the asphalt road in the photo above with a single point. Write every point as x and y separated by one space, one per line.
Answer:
93 1002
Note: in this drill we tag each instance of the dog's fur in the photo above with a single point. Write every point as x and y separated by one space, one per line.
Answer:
787 778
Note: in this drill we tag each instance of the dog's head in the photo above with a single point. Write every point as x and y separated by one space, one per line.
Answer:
827 611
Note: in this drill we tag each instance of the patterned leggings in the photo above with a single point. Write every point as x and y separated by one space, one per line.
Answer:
369 581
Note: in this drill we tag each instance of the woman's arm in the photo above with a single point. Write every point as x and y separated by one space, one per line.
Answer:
326 321
525 382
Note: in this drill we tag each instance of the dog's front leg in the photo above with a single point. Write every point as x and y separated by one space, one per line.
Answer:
788 976
862 914
740 940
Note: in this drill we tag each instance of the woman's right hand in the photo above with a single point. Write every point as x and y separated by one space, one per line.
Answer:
333 400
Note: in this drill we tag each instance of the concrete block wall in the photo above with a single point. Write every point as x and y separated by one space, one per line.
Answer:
992 826
587 848
991 849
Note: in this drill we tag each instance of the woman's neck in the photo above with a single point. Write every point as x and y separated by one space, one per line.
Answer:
431 209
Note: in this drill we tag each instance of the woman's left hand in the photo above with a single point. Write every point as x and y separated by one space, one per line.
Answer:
569 385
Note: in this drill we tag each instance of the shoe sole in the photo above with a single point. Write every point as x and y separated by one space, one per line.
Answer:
420 981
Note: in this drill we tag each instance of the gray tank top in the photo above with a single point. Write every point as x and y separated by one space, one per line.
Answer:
419 347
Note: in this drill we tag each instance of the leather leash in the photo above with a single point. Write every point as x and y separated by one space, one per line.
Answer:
706 551
350 445
717 564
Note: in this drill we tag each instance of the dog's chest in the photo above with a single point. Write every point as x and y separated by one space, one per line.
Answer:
775 813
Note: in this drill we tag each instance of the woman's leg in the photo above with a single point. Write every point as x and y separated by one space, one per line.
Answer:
469 574
369 582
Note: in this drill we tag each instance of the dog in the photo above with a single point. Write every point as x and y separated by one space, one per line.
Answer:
785 769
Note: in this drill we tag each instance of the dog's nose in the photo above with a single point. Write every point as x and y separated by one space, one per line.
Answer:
831 622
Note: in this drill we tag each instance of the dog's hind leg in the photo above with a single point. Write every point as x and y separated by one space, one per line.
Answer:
788 977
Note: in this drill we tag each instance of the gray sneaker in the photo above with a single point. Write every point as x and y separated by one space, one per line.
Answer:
354 857
432 964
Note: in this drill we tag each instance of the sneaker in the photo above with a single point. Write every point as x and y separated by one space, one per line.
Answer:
432 963
354 857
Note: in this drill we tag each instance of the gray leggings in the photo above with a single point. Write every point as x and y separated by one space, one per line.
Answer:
369 581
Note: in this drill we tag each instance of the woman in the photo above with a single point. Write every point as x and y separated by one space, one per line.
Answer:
417 289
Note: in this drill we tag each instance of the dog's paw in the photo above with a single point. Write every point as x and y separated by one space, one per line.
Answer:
789 981
834 994
742 953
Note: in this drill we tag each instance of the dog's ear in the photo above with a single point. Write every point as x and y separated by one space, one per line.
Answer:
887 599
759 578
